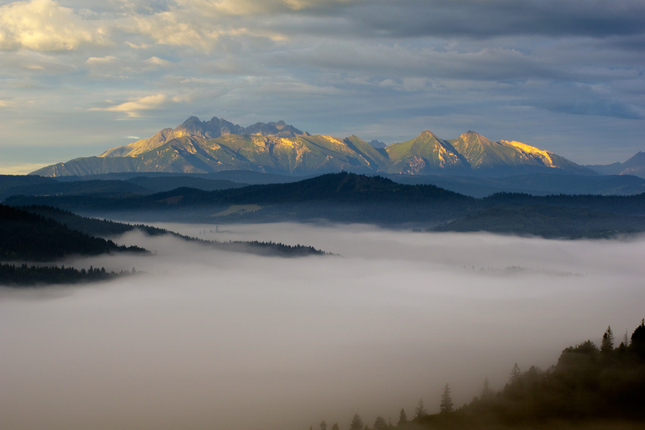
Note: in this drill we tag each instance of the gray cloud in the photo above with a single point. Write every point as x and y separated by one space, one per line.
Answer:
443 18
133 67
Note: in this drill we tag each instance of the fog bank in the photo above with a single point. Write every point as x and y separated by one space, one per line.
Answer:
209 339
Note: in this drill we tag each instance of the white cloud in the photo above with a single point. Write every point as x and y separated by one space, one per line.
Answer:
44 25
158 61
123 68
192 27
134 107
100 60
248 7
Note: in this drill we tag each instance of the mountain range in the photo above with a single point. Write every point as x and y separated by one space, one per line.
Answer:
635 166
218 145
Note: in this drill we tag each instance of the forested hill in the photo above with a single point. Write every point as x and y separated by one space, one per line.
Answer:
590 387
333 188
343 197
98 227
28 236
347 197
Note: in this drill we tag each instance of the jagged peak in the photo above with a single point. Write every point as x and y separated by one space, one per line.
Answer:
217 127
192 119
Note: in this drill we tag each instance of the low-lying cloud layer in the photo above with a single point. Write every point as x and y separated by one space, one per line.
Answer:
208 339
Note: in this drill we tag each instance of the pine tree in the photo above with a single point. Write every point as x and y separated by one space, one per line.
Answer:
420 411
637 344
446 401
515 375
607 344
335 427
323 425
403 418
380 423
486 391
357 423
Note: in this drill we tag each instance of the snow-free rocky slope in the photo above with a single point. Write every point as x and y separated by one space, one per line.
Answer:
276 147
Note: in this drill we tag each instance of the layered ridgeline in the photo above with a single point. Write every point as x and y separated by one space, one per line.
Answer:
635 166
217 145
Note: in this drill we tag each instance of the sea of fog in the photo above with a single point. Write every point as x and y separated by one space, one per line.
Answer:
207 339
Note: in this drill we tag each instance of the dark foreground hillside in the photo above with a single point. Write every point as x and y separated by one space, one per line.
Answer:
590 387
23 275
29 236
40 233
106 228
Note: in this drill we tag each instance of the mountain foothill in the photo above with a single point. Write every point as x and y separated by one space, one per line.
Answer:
218 145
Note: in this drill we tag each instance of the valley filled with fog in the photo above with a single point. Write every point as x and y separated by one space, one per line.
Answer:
209 339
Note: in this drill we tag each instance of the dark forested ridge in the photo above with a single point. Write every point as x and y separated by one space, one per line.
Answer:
106 228
40 233
590 387
115 185
547 221
341 197
23 275
346 197
29 236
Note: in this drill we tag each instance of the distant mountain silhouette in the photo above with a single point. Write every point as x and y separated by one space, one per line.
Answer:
634 166
347 197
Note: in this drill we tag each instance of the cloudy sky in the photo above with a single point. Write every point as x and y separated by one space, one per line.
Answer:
80 76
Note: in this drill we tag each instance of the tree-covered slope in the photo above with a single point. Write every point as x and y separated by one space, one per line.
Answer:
107 228
588 388
28 236
333 188
27 276
547 221
348 197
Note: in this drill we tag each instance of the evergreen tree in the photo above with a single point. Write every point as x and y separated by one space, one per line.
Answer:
638 340
514 388
446 401
323 425
607 344
515 375
626 339
403 418
335 427
357 423
380 423
486 391
420 411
